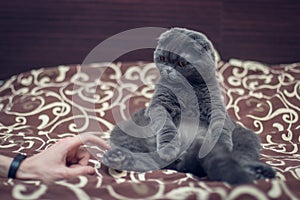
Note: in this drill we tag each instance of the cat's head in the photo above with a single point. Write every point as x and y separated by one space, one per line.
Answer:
180 50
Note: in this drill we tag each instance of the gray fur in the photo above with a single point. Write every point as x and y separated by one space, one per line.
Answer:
186 126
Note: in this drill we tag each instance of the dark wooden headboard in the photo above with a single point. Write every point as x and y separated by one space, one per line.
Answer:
37 33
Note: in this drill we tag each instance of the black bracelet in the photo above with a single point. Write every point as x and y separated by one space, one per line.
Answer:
14 166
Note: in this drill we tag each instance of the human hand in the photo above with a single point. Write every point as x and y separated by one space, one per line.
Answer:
63 160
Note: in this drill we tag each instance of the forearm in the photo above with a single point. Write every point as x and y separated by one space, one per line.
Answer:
4 165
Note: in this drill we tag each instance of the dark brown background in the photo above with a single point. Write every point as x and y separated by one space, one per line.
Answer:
37 33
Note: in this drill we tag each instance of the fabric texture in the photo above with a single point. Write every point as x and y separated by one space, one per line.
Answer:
41 106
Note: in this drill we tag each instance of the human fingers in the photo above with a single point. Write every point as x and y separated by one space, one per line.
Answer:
83 157
93 139
77 170
79 157
75 142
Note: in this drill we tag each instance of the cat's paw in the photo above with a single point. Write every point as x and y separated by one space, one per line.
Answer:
118 158
260 170
168 153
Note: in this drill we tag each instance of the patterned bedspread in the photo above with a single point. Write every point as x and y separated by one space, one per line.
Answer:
41 106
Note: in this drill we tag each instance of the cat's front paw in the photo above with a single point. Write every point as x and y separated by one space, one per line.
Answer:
118 158
260 170
168 153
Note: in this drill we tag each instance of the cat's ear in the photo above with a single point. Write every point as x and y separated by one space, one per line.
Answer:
205 46
165 35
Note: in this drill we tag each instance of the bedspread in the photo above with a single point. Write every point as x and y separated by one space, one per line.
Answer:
41 106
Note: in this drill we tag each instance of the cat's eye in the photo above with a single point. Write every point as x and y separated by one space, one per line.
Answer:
182 63
163 59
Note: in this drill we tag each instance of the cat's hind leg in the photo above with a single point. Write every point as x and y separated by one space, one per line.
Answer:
219 165
246 147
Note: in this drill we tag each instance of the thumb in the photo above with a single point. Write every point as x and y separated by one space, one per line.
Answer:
77 170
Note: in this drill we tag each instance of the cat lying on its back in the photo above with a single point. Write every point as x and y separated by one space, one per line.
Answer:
186 126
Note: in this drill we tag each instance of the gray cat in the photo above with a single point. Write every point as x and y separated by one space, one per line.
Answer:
186 126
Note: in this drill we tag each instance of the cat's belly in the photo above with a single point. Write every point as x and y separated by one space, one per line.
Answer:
189 132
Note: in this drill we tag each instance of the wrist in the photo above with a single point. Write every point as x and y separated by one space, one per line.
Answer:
27 170
15 164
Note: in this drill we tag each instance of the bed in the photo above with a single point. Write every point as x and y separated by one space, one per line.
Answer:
44 99
38 109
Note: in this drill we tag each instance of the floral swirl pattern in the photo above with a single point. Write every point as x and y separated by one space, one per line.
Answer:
41 106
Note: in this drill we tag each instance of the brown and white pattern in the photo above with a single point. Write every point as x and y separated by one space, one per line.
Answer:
41 106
